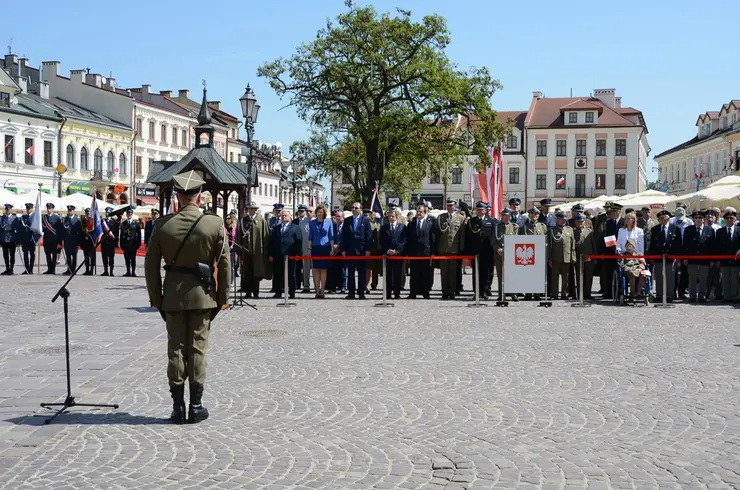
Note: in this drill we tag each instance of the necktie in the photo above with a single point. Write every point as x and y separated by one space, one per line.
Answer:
357 220
393 228
283 230
665 232
729 231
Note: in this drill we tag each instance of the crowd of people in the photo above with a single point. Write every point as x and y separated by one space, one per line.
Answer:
260 245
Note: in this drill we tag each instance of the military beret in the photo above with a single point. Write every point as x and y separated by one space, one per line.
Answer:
560 215
664 212
515 201
534 209
50 205
546 202
29 205
8 206
250 205
451 202
577 207
729 214
480 205
188 183
277 207
699 214
580 217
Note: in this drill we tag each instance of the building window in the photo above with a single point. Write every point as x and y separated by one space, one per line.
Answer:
511 142
163 134
620 181
9 148
724 122
561 148
122 164
139 127
4 99
174 136
70 156
48 154
560 181
30 150
580 148
621 148
185 138
137 165
83 160
541 182
111 163
457 175
260 189
600 181
98 163
514 175
151 130
589 117
435 178
683 171
572 117
600 148
231 156
541 148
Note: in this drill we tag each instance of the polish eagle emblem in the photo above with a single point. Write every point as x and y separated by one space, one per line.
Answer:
524 254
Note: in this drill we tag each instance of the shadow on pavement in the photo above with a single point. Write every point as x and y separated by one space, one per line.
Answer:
90 418
141 309
127 287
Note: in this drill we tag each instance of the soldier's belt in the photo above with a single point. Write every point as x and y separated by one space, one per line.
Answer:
203 272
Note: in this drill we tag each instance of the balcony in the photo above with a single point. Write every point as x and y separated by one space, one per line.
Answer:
580 191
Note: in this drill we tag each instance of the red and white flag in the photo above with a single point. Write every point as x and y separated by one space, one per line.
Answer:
30 150
610 241
497 184
561 181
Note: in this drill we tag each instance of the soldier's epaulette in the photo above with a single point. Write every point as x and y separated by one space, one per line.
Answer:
210 213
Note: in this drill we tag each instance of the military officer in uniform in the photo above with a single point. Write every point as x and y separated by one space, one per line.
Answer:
8 238
29 239
533 226
585 245
500 230
577 211
561 255
665 238
192 244
86 244
254 238
450 242
72 232
479 241
546 217
109 241
53 237
130 242
275 218
518 217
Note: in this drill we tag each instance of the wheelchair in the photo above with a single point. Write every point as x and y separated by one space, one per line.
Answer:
620 288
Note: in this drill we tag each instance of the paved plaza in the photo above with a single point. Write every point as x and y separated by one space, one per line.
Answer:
340 394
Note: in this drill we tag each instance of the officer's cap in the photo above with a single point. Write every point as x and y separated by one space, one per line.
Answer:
302 207
546 202
480 205
50 205
577 207
8 206
87 210
664 212
613 206
71 207
188 183
451 202
515 201
580 217
129 211
250 205
505 212
729 214
277 207
154 211
534 209
392 206
560 215
699 214
107 210
366 211
29 205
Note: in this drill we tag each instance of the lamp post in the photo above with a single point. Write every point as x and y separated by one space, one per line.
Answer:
250 110
294 182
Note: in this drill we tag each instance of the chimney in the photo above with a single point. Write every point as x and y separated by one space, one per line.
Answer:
10 60
111 85
606 95
536 94
215 104
22 66
43 90
50 69
166 93
618 102
94 79
23 84
77 76
183 93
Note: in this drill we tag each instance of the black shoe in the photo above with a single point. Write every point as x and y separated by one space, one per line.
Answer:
361 296
692 300
197 412
305 290
4 273
178 405
48 272
24 273
396 296
256 295
411 296
426 296
350 296
65 273
277 296
128 274
291 296
111 274
703 300
88 273
105 273
133 274
10 272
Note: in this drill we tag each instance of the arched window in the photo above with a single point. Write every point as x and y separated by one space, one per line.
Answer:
122 164
70 156
84 165
111 163
98 163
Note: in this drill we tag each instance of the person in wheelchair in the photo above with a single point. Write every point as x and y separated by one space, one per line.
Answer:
632 269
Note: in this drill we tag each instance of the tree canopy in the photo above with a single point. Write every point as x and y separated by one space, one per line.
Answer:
383 99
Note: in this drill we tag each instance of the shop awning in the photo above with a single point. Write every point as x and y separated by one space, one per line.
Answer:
79 186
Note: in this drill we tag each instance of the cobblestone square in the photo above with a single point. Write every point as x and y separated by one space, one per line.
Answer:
340 394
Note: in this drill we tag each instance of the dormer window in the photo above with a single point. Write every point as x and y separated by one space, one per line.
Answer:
572 117
589 117
4 99
724 122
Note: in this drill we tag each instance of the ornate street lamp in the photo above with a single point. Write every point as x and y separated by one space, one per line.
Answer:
250 110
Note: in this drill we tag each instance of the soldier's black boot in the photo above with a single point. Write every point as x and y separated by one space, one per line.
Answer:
178 405
198 412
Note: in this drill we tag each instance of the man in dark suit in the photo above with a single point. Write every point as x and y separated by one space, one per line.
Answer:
72 235
8 238
149 227
665 239
286 239
53 237
420 242
357 240
698 239
610 227
728 243
393 242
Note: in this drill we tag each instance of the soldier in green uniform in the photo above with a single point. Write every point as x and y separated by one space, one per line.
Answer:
577 211
192 244
253 238
478 241
532 226
561 255
584 239
450 241
500 230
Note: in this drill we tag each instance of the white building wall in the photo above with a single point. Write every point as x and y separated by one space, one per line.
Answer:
27 177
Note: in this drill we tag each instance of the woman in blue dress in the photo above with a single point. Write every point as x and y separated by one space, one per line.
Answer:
320 243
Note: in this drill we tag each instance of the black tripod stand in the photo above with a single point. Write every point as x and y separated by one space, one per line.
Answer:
69 402
238 300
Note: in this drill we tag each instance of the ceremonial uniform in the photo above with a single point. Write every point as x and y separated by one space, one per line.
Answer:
479 241
698 240
53 238
253 237
130 242
562 255
29 239
9 228
86 243
500 231
193 244
72 235
547 218
109 242
271 223
664 239
585 243
532 228
450 241
727 241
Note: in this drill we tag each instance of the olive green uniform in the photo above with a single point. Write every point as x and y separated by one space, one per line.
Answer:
561 254
499 233
585 245
450 241
188 308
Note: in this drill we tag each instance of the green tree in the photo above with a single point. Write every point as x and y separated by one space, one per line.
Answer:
653 185
382 96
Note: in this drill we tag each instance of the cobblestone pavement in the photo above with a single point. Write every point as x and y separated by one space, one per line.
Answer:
339 394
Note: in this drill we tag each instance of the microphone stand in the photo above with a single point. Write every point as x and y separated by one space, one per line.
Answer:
69 401
239 297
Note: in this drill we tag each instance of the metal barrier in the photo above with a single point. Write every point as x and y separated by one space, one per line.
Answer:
286 290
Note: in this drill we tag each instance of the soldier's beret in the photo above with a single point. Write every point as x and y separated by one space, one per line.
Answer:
534 209
515 201
277 207
729 214
50 205
577 207
699 214
664 212
546 202
29 205
560 215
188 183
8 206
480 205
303 207
505 212
451 202
580 217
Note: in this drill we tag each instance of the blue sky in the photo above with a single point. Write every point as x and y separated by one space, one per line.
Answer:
672 60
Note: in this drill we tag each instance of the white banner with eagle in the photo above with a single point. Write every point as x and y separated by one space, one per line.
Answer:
525 264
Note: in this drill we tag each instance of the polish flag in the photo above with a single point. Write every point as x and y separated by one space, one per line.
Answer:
30 150
497 183
561 181
610 241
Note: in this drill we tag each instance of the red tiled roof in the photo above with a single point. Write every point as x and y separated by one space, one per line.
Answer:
583 105
548 113
627 110
515 117
708 114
